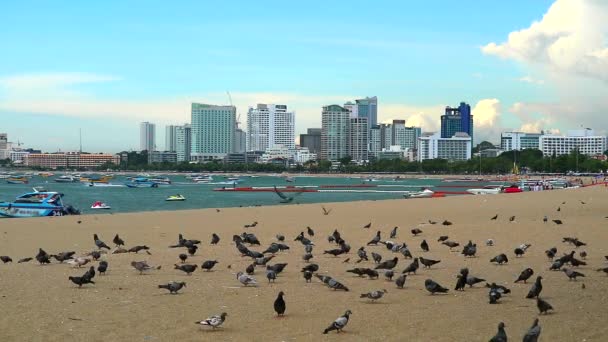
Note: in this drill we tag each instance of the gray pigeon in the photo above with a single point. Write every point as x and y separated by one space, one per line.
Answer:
377 257
388 265
173 286
533 333
389 275
246 279
500 259
271 275
434 287
412 268
543 306
400 281
375 240
525 275
374 295
362 254
572 274
394 233
501 335
339 323
208 265
535 289
143 266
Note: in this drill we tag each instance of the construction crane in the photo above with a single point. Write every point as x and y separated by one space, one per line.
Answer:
238 116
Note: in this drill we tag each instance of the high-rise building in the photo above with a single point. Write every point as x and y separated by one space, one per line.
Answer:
213 130
406 137
585 141
3 141
334 132
358 139
270 125
457 119
171 138
519 141
240 141
147 136
368 108
183 142
162 157
433 146
312 140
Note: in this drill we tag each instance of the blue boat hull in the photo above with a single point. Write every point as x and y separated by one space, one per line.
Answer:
15 211
142 185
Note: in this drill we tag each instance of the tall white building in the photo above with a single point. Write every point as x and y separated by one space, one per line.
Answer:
270 125
3 141
240 141
183 142
147 136
584 140
335 122
171 138
519 141
358 139
433 146
213 130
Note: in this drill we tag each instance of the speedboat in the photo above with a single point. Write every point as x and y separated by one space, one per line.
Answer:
512 189
141 182
202 179
426 193
36 204
161 180
102 179
17 180
175 198
486 190
67 179
100 205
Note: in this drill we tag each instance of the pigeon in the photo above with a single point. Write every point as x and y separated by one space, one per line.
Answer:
271 275
373 295
246 279
470 280
78 262
512 218
416 231
460 282
525 275
307 276
250 269
493 218
308 248
469 250
543 306
424 246
272 249
442 238
96 255
310 232
63 256
412 268
360 271
339 323
118 241
173 286
605 270
43 257
102 267
446 223
336 285
278 268
556 265
375 240
559 209
5 259
502 289
394 233
519 252
388 265
558 222
545 219
310 268
489 242
183 257
572 274
367 226
400 281
282 247
334 252
388 274
494 295
583 254
428 262
81 280
24 260
213 321
362 254
500 259
433 287
306 257
90 273
533 333
551 253
280 237
100 244
326 211
208 265
405 251
535 289
377 257
578 243
501 335
215 239
450 244
576 263
136 249
279 304
143 266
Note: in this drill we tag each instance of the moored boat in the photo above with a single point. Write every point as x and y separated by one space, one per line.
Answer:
67 179
35 204
100 205
486 190
141 182
17 180
426 193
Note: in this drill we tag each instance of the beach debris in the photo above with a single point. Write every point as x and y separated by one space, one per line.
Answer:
533 333
374 295
545 219
208 265
388 264
375 239
367 226
543 306
119 250
501 335
428 262
525 275
412 268
279 304
246 279
500 259
215 239
251 225
346 260
100 244
434 287
118 241
433 222
187 268
339 323
536 288
214 321
102 267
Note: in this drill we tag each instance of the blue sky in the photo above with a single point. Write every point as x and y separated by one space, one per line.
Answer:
105 66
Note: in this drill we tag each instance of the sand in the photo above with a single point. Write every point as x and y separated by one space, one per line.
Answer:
40 304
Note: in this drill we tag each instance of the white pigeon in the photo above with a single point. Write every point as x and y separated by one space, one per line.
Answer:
213 321
79 261
246 279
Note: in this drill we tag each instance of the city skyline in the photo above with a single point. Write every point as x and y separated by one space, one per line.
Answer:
502 59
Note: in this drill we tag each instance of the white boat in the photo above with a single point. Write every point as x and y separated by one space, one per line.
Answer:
100 205
486 190
202 179
426 193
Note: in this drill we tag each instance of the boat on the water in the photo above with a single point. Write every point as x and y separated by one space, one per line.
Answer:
100 205
426 193
486 190
161 180
102 179
17 180
204 179
35 204
175 198
141 182
512 189
67 179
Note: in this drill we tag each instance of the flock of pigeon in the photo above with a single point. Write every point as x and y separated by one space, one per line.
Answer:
372 266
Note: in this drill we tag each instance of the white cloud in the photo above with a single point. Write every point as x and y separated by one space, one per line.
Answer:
529 79
570 37
51 80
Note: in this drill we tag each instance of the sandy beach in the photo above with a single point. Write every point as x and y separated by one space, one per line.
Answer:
40 304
